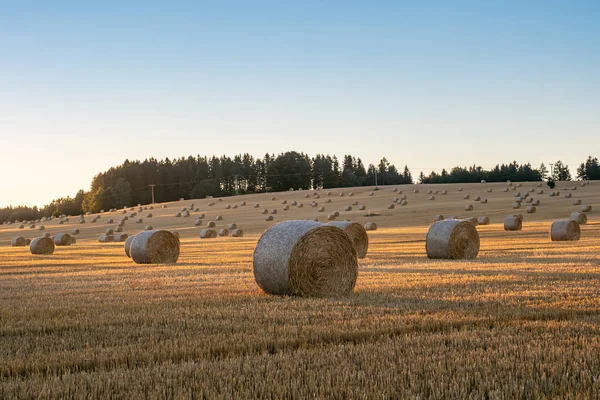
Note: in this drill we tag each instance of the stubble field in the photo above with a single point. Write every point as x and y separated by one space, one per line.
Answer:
520 321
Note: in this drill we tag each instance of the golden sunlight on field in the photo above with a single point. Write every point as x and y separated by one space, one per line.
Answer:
521 320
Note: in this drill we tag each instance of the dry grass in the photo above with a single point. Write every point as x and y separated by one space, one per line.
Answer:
520 321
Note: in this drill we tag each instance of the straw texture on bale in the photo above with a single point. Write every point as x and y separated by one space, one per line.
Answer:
452 239
223 232
580 217
237 233
62 239
564 229
155 247
42 245
18 241
305 258
357 234
483 220
208 234
513 223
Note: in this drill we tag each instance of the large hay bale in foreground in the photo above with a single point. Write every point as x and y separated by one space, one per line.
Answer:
62 239
305 258
18 241
208 234
452 239
513 223
564 229
42 245
128 242
580 217
357 234
155 247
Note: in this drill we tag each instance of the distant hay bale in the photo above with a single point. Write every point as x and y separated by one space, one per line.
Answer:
444 192
482 181
223 232
529 200
362 207
489 190
155 247
460 189
484 201
477 198
355 203
305 258
62 239
430 191
265 211
139 221
219 218
110 231
198 222
273 198
300 205
237 233
371 193
328 193
416 191
257 205
211 224
370 226
403 202
505 190
42 227
148 228
390 206
274 211
469 207
587 208
121 237
60 222
535 202
351 194
285 201
294 203
18 241
32 226
452 239
232 226
269 218
466 197
21 226
243 203
348 208
564 230
431 197
393 190
306 196
321 209
516 205
42 245
342 194
330 217
149 215
438 217
128 242
577 202
531 210
48 235
531 190
568 195
328 201
286 207
513 223
472 220
110 221
357 234
539 185
178 215
106 238
580 217
75 232
483 220
541 191
185 214
337 214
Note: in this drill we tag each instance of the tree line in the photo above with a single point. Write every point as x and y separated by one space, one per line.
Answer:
199 177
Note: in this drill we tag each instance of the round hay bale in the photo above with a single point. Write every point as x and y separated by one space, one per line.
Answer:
539 185
300 205
286 207
362 207
471 220
484 201
330 217
234 206
60 222
128 242
232 226
110 231
237 233
431 197
438 217
294 203
305 258
351 194
274 211
505 190
111 221
394 189
564 229
106 238
540 191
18 241
342 194
121 237
219 218
328 201
75 232
198 222
516 205
444 192
469 207
355 203
580 217
73 240
531 210
587 208
41 227
466 197
315 219
321 209
149 215
371 193
178 215
228 206
489 190
337 214
21 226
32 226
211 224
273 198
62 239
535 202
513 223
452 239
416 191
357 234
531 190
529 200
148 227
208 234
430 191
348 208
403 202
285 201
370 226
314 204
200 216
265 211
460 189
391 206
269 218
223 232
139 221
477 198
185 214
577 202
42 245
483 220
47 234
568 195
155 247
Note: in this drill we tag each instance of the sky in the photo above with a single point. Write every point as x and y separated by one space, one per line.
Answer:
429 84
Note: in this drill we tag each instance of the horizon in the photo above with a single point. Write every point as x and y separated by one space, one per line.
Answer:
85 87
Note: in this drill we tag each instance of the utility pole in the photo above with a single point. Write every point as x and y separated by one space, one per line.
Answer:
375 178
552 170
152 186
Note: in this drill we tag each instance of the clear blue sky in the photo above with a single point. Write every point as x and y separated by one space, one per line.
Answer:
428 84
